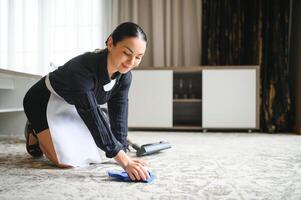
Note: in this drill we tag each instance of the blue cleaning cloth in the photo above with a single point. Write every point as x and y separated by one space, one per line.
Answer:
123 176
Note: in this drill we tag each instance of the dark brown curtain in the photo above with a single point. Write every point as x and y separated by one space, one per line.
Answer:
238 32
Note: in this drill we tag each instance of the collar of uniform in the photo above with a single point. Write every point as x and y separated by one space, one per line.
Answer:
116 75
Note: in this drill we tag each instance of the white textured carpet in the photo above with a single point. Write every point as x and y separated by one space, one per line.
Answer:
199 166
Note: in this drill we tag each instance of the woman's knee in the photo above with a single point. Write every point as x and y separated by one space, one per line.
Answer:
53 158
62 166
47 147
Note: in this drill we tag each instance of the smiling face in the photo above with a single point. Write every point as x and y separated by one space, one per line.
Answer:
126 54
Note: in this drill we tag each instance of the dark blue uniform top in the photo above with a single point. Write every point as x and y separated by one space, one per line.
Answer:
80 82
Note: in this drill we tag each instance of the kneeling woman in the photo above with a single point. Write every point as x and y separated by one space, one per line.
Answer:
65 121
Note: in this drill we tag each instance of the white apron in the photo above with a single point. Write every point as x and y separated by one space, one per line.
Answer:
72 140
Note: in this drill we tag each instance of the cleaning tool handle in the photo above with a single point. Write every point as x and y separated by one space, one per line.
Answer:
134 145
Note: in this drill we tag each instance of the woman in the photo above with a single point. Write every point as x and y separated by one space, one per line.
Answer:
65 121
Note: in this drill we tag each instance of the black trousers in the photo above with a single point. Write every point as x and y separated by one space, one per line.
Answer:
35 105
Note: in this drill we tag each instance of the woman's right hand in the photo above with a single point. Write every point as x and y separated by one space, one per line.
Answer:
137 170
134 167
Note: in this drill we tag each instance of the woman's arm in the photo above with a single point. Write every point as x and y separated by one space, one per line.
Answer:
97 124
118 113
118 110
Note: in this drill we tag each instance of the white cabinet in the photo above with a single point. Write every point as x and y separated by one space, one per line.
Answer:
195 98
229 98
150 99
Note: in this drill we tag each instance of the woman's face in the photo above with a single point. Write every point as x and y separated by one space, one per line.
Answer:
126 54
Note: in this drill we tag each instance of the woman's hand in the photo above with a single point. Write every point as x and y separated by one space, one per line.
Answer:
137 170
134 167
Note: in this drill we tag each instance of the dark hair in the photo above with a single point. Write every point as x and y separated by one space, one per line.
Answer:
127 29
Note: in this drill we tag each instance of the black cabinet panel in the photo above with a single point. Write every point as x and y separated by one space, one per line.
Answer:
187 98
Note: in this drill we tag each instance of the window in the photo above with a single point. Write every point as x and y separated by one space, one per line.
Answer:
36 33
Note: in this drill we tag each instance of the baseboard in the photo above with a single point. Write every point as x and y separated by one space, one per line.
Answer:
297 130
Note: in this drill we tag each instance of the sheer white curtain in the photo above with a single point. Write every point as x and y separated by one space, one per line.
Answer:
36 33
173 28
